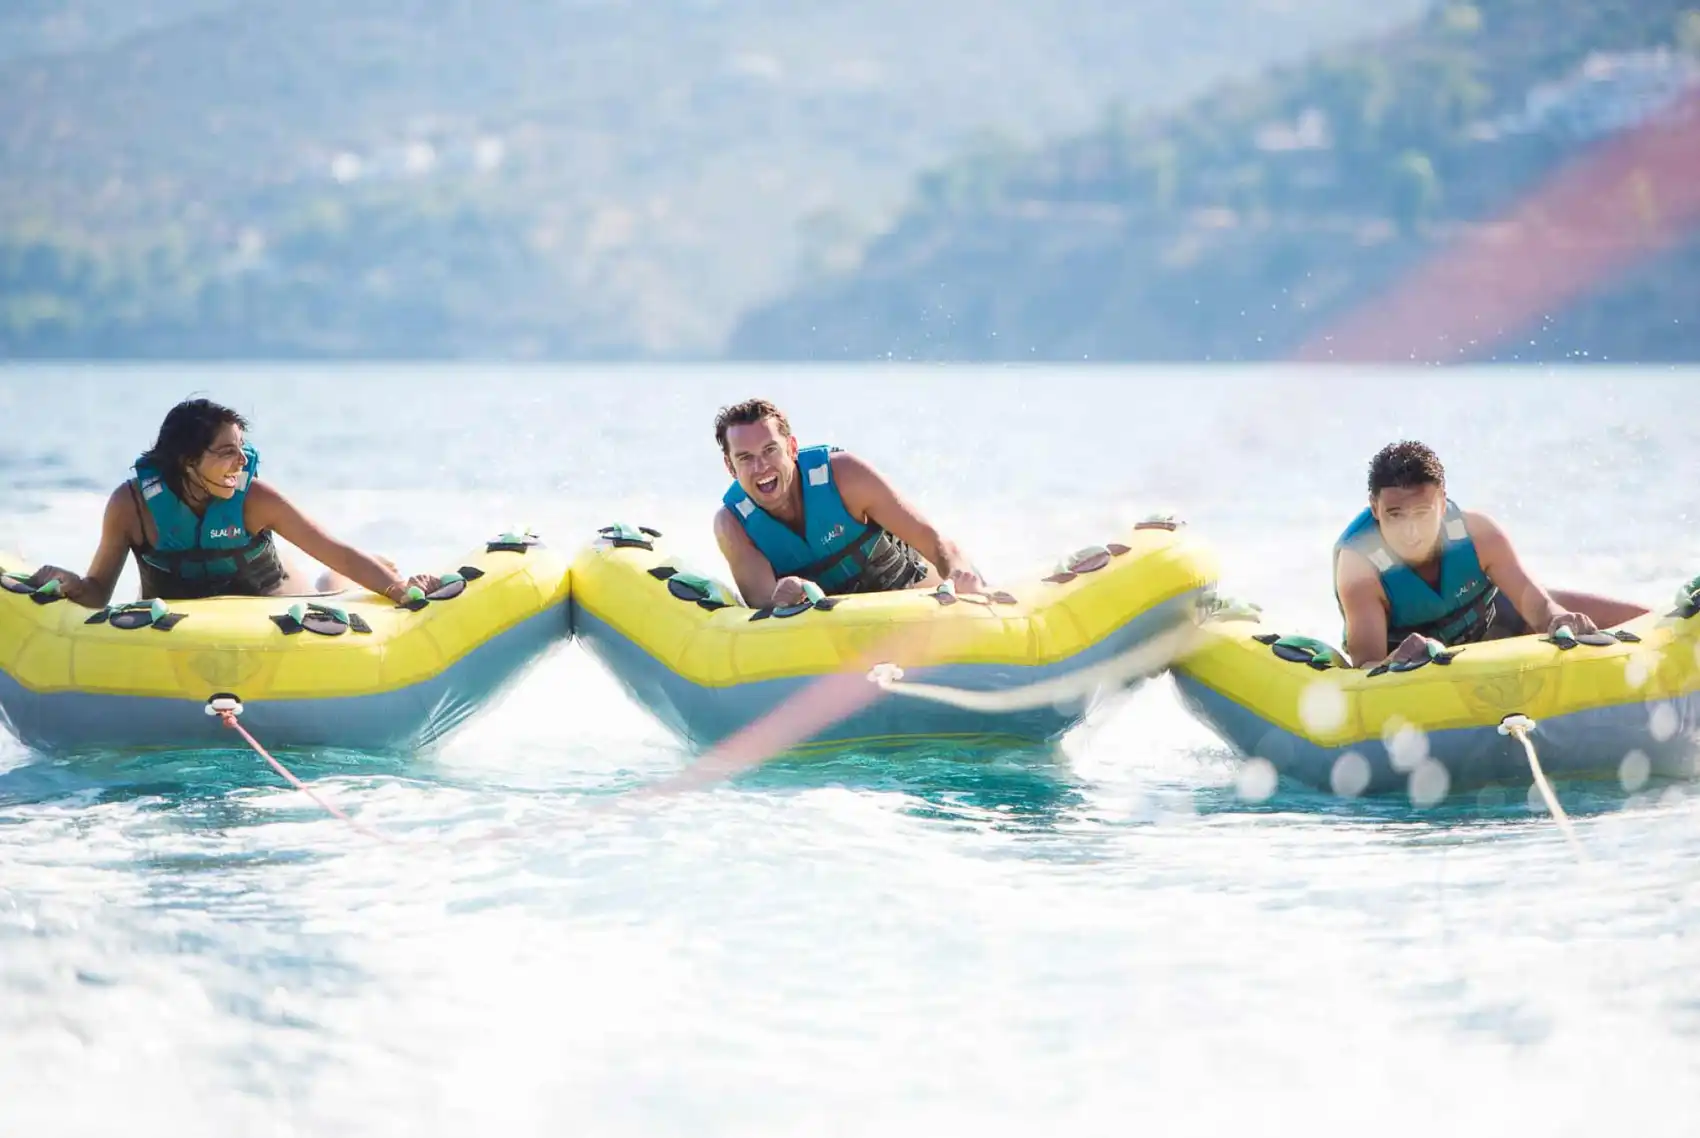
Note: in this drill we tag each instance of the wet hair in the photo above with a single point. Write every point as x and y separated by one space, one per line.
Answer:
745 413
186 434
1404 465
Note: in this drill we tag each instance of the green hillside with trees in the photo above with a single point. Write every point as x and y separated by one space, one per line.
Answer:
561 178
1237 226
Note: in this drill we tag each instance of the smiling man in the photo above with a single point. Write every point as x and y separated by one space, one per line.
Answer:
1413 568
820 515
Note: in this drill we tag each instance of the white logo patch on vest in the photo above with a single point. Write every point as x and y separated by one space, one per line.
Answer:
746 507
152 488
832 535
819 475
1380 559
226 532
1455 529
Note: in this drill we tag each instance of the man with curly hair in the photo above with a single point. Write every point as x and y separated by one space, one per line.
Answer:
1412 569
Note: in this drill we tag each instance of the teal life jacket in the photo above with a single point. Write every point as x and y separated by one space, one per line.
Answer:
1457 611
835 551
206 555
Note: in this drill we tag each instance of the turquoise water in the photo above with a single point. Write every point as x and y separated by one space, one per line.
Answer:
1109 940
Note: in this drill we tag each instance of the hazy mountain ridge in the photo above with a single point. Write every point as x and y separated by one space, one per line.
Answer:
651 169
1239 225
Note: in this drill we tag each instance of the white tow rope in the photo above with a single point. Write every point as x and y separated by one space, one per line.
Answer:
1142 661
1518 727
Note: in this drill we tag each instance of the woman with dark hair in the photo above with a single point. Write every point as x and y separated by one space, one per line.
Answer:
200 524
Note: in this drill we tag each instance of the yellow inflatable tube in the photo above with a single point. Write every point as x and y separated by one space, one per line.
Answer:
351 670
707 666
1623 704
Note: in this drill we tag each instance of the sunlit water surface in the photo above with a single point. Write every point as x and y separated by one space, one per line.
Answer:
1111 940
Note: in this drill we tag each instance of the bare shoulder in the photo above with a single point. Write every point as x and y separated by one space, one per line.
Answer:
857 478
123 513
1484 531
266 496
727 527
1353 568
862 488
265 508
848 466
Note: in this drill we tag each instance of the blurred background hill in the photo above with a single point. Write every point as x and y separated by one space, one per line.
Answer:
1161 179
